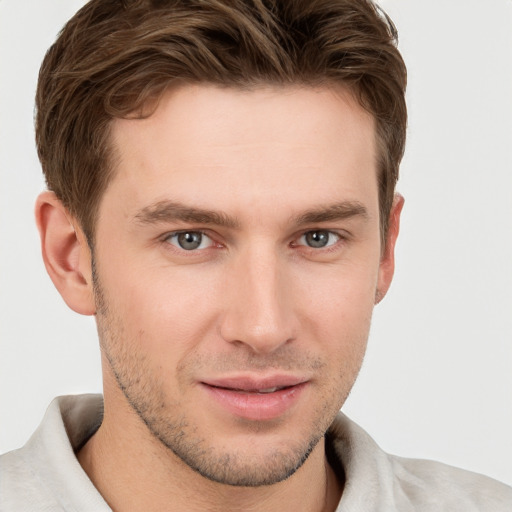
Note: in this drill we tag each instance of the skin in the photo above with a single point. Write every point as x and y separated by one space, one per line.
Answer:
262 178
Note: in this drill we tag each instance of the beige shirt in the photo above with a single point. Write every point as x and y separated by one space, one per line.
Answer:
45 475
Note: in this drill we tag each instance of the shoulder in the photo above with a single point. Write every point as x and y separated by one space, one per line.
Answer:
20 487
45 473
433 483
382 481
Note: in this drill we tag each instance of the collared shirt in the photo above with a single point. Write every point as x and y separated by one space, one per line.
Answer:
45 474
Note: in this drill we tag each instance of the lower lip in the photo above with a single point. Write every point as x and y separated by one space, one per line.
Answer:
256 406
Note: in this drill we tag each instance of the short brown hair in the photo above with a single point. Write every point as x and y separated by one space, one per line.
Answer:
114 56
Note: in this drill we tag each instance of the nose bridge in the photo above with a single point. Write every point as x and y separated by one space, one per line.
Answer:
258 312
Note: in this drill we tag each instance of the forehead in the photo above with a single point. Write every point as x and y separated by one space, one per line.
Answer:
212 145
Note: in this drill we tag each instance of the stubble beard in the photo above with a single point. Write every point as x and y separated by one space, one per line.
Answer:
145 395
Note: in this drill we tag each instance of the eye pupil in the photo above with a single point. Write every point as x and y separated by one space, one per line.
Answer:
317 238
190 240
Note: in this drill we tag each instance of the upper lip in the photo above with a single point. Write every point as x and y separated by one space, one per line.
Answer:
255 383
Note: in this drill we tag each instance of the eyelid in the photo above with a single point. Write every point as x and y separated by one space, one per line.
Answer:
173 234
340 237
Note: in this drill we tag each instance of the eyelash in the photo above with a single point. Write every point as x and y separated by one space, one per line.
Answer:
176 234
315 250
330 234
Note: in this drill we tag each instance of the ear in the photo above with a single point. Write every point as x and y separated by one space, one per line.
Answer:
387 261
66 253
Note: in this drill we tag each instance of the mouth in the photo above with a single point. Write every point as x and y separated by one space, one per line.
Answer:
255 391
254 398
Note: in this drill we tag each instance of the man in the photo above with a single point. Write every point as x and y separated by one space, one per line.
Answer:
221 197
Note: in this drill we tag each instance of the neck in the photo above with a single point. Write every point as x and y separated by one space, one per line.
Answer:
134 471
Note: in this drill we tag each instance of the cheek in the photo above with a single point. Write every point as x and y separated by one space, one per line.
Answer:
162 307
341 297
338 310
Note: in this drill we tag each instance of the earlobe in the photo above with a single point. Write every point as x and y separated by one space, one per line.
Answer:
387 262
66 254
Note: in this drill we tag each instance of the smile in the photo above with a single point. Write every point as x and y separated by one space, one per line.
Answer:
258 391
258 401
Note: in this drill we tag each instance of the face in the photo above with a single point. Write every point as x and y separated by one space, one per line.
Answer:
237 260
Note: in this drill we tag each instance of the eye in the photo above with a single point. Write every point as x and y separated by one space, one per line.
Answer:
318 239
189 240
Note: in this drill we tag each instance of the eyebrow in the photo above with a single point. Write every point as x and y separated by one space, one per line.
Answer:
333 212
170 211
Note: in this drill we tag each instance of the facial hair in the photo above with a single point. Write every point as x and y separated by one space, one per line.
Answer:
176 432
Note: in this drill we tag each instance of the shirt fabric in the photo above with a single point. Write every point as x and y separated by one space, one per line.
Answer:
45 474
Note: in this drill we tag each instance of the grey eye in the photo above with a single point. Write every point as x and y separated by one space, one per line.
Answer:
319 239
189 240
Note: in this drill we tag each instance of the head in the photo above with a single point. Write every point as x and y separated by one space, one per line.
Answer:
115 59
223 177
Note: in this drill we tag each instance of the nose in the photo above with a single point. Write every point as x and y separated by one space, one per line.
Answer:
258 308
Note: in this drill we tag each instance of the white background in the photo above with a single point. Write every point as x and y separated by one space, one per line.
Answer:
437 380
